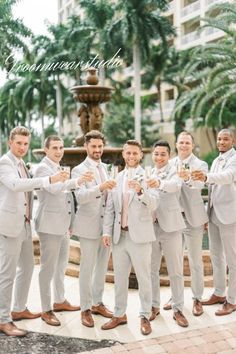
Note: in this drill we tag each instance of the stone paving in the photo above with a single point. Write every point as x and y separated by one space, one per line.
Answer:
215 339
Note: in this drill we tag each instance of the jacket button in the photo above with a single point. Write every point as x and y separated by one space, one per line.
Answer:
69 201
119 222
101 216
25 204
104 206
69 213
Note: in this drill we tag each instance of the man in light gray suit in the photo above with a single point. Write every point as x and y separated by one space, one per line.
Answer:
87 226
222 226
194 213
128 221
53 222
169 224
16 248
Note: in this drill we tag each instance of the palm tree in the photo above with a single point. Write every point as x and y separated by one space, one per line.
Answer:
137 22
213 98
12 33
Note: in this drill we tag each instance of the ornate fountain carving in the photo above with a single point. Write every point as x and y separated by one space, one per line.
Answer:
90 112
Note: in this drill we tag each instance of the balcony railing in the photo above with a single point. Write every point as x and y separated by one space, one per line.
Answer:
190 37
211 30
212 2
189 9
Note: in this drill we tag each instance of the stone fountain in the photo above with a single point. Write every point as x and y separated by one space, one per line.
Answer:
90 114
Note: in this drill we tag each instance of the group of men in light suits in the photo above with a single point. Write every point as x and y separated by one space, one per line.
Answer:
139 216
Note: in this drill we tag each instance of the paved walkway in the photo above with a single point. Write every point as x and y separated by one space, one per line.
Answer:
205 334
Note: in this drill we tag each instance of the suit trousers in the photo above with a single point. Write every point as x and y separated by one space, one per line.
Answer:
223 252
125 254
54 254
193 241
16 268
171 245
93 269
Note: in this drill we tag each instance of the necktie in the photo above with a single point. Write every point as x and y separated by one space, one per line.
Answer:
103 179
27 197
125 206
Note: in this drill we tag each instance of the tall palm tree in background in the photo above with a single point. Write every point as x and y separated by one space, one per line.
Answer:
138 22
98 17
12 33
213 98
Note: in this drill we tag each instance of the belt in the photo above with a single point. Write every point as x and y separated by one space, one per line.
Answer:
26 219
125 228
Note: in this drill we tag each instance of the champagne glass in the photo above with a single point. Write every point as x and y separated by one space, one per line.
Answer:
113 172
148 172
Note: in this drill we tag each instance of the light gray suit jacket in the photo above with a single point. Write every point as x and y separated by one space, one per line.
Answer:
190 199
140 221
56 209
224 184
88 220
12 196
168 211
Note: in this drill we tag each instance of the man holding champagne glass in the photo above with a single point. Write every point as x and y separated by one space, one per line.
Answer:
194 213
88 223
53 223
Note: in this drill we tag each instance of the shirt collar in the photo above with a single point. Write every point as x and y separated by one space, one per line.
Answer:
54 164
226 154
93 163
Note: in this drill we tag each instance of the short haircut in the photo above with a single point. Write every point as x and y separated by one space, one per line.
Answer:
184 132
162 143
50 138
20 130
227 131
134 143
94 134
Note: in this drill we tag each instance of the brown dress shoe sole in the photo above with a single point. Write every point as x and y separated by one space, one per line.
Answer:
50 323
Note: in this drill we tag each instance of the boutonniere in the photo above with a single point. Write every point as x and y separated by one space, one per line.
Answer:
222 163
163 175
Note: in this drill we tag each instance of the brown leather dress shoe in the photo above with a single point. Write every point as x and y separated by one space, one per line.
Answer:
87 318
24 315
168 305
197 308
102 310
180 319
214 299
145 326
114 322
64 306
50 318
10 329
226 309
155 313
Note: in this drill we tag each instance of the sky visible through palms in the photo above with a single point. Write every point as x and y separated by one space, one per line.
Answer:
35 15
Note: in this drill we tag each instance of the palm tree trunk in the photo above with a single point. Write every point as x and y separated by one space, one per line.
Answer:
28 126
137 91
59 105
0 141
160 99
42 127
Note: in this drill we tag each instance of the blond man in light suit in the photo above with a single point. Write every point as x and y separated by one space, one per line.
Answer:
195 215
128 225
222 226
87 225
16 249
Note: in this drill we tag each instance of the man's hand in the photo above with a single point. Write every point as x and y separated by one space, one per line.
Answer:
134 184
111 183
61 176
153 183
184 174
198 175
86 177
106 241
